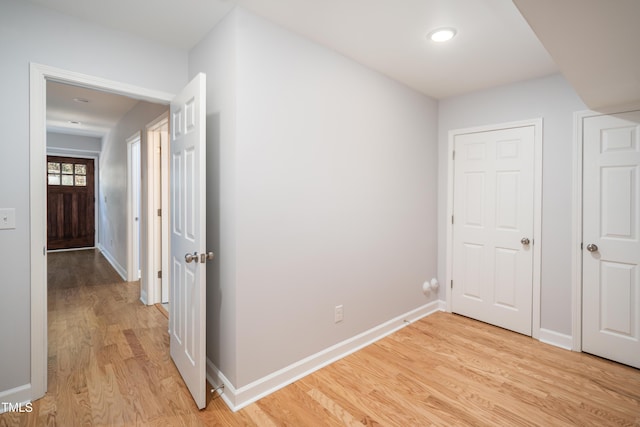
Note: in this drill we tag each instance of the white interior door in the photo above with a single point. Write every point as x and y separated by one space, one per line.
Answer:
187 311
137 178
611 237
493 213
134 185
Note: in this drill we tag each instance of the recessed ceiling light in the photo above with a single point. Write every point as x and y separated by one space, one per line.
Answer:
442 34
81 100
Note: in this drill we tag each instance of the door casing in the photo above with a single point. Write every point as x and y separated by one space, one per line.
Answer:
537 214
156 289
38 76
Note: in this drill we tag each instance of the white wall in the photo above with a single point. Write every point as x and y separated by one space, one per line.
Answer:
216 56
113 181
552 99
73 143
29 33
335 192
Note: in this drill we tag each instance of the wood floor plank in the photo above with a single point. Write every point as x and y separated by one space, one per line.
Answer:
109 365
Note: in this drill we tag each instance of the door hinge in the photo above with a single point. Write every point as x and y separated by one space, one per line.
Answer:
451 284
454 154
581 245
159 212
451 219
159 274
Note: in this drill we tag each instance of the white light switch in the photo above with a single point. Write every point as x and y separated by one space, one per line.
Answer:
7 219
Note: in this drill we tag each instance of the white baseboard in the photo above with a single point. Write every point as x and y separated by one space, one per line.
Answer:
15 396
119 269
238 398
557 339
143 295
53 251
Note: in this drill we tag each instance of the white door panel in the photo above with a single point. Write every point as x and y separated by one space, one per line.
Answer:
611 216
493 212
187 311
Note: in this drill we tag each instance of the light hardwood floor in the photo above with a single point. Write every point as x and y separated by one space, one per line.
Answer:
109 366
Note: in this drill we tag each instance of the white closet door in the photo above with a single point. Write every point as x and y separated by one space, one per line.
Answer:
493 227
611 241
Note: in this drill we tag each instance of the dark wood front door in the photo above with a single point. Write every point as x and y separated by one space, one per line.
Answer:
70 203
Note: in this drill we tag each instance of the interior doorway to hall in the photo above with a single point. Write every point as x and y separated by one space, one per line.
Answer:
116 141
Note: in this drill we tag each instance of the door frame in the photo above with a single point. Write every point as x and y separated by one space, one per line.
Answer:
576 218
158 174
537 210
38 76
133 241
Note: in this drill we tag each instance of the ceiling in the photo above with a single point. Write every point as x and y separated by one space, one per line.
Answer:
595 44
95 117
493 39
494 45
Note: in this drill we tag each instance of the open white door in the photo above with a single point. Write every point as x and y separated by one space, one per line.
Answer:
187 311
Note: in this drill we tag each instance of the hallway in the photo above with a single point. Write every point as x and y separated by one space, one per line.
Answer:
108 353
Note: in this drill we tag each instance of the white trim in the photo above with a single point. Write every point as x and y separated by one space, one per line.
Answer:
449 231
556 338
114 263
537 208
576 232
72 152
16 395
38 228
537 227
38 75
53 251
238 398
143 296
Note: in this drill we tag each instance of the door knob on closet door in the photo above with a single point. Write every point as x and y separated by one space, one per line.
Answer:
592 247
525 241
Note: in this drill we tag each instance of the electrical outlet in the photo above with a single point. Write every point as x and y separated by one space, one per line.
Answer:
338 314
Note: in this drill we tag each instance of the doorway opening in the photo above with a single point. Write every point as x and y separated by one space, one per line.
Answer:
158 239
39 77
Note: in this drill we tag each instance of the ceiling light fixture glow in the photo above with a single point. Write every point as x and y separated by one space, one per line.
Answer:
442 34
